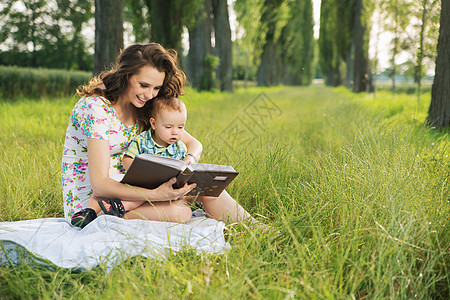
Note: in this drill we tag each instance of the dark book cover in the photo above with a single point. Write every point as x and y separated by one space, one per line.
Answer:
150 171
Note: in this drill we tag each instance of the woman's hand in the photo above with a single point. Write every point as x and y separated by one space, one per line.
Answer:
166 191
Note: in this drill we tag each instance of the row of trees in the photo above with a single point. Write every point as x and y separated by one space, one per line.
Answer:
274 38
40 33
345 37
277 42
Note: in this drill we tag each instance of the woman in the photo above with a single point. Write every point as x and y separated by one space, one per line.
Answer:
113 108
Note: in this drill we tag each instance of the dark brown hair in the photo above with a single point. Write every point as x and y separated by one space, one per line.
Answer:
114 83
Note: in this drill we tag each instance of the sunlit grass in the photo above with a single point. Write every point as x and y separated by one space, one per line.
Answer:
355 188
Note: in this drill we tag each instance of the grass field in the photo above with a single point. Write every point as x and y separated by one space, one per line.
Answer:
355 186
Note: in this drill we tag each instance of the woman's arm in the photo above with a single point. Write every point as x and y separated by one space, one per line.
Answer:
194 147
105 187
126 162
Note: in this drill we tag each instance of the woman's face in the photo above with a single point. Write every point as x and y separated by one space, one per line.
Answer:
144 86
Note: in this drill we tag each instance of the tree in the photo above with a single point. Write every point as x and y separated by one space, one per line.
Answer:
426 12
329 57
439 111
108 32
268 71
167 19
26 27
345 17
200 71
136 12
248 48
78 13
397 15
361 71
45 33
223 44
281 45
297 43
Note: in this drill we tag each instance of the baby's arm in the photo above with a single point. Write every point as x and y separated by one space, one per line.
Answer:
194 148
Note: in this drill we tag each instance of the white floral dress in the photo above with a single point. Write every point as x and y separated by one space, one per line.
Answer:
92 117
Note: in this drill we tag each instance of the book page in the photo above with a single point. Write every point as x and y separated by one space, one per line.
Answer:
199 167
167 161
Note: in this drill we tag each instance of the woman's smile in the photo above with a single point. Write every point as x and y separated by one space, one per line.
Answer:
141 99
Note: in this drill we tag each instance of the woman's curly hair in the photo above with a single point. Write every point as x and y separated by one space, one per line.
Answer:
114 83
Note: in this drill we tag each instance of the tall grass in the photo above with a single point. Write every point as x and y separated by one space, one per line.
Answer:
355 188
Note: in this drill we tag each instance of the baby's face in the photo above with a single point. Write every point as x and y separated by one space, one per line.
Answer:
168 126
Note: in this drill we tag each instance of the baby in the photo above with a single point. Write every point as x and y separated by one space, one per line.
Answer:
167 121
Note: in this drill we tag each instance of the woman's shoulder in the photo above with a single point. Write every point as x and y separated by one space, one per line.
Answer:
96 99
93 103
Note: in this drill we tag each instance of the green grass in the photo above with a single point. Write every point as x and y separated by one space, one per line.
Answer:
356 186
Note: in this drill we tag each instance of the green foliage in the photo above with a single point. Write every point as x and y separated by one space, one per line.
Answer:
404 87
280 46
355 189
136 12
161 21
345 23
17 82
296 42
210 62
248 14
329 58
42 33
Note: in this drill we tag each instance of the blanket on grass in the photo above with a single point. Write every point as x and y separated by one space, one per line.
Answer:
53 242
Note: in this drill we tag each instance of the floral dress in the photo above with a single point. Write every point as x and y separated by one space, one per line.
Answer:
92 117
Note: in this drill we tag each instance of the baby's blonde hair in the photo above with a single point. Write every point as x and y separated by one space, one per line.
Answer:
171 103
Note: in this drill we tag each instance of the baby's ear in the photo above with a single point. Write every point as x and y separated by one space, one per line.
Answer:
152 123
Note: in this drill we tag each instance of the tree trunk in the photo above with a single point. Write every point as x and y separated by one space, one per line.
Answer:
360 74
167 23
350 65
439 111
223 47
108 33
199 72
334 76
268 69
330 60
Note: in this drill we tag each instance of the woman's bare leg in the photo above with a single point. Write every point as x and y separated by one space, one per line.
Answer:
168 211
129 205
225 208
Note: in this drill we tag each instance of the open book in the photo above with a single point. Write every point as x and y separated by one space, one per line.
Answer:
150 171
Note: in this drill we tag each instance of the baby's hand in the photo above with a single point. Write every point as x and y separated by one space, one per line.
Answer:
189 159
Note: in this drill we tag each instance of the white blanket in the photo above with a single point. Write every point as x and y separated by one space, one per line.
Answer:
107 240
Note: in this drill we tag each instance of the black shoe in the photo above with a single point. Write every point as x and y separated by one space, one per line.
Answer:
116 207
83 217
